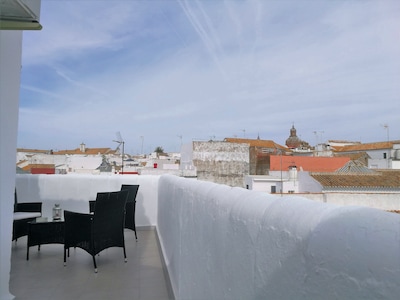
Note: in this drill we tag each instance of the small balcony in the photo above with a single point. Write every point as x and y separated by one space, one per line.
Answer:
200 240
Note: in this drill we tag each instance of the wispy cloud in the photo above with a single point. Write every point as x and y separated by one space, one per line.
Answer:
210 68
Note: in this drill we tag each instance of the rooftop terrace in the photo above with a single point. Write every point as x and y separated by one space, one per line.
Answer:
217 242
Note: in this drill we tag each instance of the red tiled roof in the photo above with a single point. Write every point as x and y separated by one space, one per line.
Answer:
38 166
308 163
257 143
32 150
381 179
365 147
354 156
88 151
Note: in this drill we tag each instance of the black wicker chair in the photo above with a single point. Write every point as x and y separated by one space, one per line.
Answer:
101 230
23 213
130 207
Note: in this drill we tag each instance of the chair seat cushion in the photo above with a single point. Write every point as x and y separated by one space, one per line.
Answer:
26 215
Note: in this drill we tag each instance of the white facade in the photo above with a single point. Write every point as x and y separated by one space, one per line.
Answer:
307 187
276 182
380 159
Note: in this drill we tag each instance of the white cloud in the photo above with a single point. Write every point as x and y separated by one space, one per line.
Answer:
210 68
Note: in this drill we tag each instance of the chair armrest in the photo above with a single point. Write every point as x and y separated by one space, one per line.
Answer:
28 207
72 217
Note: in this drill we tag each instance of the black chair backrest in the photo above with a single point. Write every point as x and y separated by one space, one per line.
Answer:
109 214
92 203
132 189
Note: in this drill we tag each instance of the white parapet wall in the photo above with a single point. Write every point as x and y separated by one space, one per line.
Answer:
230 243
73 192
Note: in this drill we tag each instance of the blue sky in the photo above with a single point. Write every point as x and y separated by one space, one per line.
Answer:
166 72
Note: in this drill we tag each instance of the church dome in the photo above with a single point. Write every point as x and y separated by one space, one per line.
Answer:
293 141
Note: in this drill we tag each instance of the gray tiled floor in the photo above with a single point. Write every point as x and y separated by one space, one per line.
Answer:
45 277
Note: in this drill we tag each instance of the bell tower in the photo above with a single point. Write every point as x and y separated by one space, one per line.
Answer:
293 141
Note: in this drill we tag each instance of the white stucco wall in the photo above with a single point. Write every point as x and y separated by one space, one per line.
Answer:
383 201
10 66
230 243
73 192
307 184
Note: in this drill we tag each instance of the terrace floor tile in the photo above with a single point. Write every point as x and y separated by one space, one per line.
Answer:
45 277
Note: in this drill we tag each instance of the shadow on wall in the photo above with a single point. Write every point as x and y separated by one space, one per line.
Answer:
141 218
146 199
232 243
74 192
347 255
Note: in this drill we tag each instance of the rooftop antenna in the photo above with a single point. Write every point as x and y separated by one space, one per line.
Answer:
317 134
120 142
386 126
244 133
142 138
180 136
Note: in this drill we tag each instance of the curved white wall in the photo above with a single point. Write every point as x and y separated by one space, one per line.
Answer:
230 243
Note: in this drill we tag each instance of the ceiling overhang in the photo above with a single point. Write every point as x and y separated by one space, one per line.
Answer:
20 15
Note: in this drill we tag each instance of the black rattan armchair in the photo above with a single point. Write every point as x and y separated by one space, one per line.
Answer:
23 213
101 230
130 206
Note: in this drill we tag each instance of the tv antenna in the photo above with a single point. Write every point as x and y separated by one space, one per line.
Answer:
120 142
386 126
318 134
142 138
180 137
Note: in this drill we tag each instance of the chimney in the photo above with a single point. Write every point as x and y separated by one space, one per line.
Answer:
292 173
83 148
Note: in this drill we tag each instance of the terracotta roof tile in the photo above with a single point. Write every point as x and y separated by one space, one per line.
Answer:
38 166
88 151
308 163
32 150
257 143
375 180
365 147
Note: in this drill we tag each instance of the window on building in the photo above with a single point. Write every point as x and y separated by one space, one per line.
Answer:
384 155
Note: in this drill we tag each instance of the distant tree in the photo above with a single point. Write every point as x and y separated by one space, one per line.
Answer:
159 150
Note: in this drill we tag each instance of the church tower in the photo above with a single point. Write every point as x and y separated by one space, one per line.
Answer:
293 141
